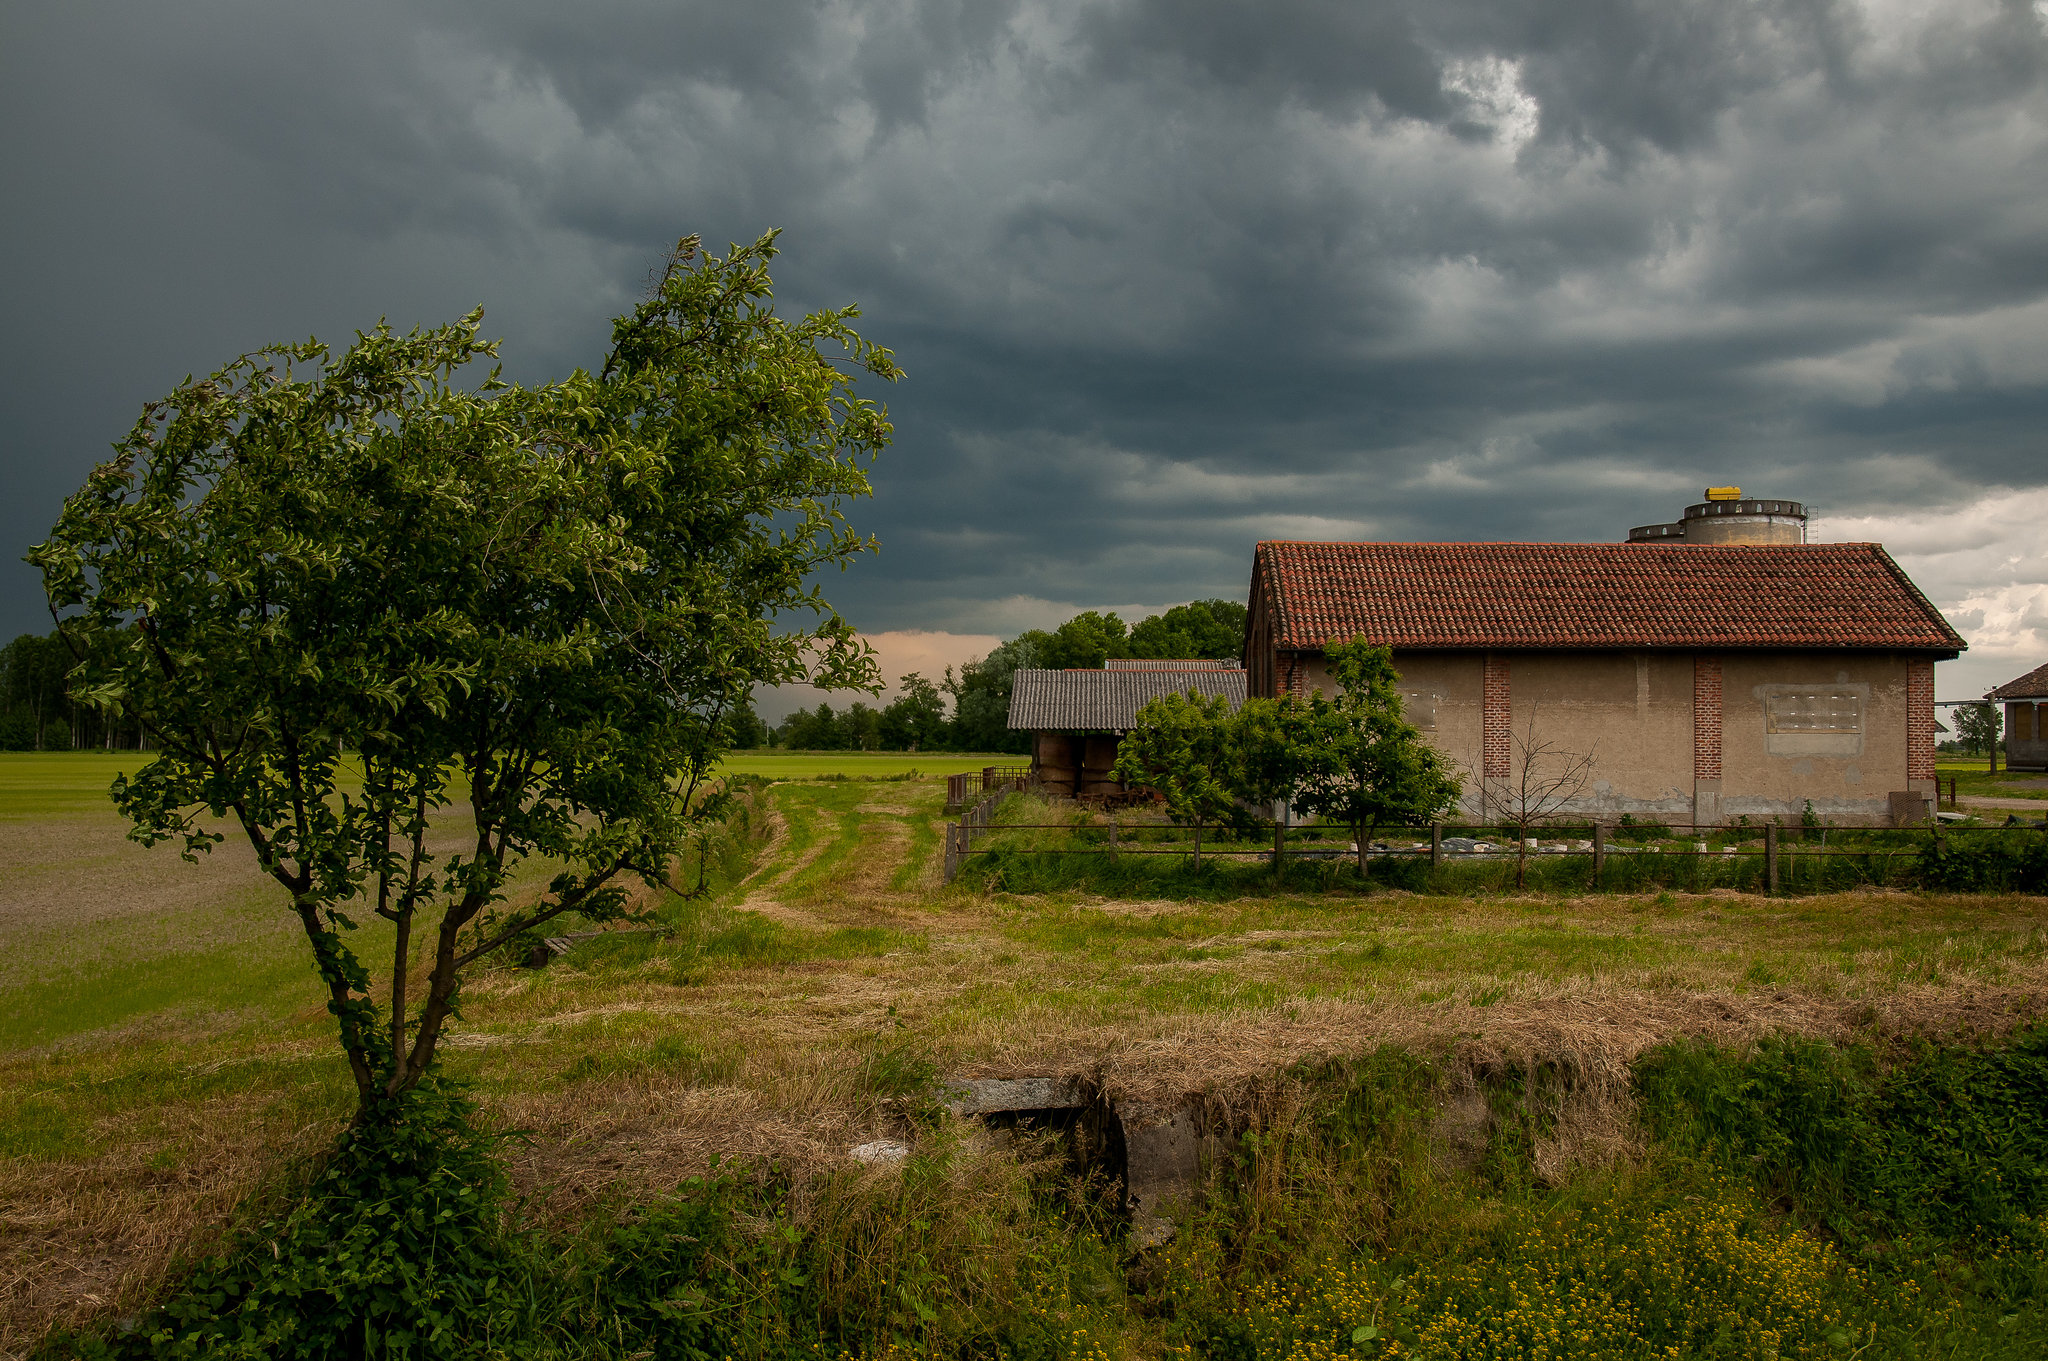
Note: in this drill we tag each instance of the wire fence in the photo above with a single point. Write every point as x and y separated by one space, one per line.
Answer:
1781 849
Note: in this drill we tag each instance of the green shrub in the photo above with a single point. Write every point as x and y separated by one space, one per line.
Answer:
397 1250
1986 863
714 1271
1947 1140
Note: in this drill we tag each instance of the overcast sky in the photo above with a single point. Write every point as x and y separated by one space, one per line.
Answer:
1168 276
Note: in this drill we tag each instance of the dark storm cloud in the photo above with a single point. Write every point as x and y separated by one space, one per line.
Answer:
1167 277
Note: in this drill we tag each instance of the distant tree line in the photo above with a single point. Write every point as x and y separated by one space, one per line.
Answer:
970 711
967 711
35 712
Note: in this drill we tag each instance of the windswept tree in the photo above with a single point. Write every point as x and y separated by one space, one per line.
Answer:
404 633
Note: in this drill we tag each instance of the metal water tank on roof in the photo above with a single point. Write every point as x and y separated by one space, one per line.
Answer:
1725 517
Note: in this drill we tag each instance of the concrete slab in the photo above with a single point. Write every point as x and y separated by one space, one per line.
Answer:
995 1096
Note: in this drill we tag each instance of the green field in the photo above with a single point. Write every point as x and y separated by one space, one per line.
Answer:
1973 776
164 1054
809 765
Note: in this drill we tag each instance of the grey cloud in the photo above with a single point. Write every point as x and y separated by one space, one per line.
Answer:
1165 277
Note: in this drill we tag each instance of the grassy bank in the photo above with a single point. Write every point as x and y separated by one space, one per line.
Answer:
1792 1200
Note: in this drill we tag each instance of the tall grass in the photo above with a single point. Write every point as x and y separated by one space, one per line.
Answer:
1336 1227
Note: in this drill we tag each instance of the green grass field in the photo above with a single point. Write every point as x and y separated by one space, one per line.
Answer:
164 1054
1973 776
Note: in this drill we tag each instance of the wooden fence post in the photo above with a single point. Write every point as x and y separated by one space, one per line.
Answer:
1771 858
1113 855
1436 845
1279 843
1198 843
1599 851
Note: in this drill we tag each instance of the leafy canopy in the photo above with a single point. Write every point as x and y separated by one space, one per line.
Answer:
404 633
1181 748
1978 726
1360 762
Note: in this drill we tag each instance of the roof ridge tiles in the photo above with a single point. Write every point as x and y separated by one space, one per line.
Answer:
1522 595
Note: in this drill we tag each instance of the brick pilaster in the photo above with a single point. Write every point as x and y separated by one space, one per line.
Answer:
1919 720
1706 717
1494 723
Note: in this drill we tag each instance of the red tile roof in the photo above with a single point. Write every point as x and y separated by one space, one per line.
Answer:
2030 686
1594 595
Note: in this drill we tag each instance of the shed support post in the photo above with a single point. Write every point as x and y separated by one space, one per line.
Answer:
1771 858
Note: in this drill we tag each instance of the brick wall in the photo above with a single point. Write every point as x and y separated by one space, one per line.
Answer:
1494 731
1919 720
1706 717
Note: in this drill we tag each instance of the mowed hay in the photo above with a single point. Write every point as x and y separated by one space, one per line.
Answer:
92 1237
800 1056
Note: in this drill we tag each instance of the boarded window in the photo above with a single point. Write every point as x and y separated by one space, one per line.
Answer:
1834 710
1814 720
1419 708
2019 722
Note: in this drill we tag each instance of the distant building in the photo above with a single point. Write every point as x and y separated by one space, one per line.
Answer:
2026 719
1707 681
1724 517
1078 718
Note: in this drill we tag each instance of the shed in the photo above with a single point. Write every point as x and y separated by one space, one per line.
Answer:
2026 719
1077 718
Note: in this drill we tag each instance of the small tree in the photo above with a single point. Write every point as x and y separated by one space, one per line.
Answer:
1358 760
1181 749
1543 780
1979 726
351 602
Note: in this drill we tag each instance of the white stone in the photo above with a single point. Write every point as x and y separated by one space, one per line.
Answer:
881 1152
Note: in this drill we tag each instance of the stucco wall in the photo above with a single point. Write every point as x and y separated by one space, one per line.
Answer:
1772 773
1633 713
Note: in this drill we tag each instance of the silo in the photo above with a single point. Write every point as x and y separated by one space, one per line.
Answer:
1725 517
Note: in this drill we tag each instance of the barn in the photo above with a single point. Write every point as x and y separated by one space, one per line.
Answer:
1706 680
2026 719
1076 718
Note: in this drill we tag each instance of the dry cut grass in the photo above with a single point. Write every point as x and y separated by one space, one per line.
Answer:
798 1013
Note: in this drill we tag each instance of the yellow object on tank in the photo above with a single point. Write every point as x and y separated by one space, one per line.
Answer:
1724 493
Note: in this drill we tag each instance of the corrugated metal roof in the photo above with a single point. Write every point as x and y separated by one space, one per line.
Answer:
1637 595
1108 701
1169 664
